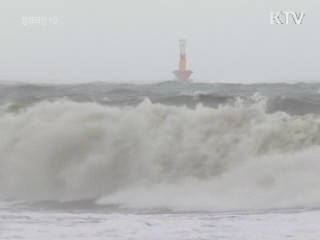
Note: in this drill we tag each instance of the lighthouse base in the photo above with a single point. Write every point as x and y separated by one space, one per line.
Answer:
182 75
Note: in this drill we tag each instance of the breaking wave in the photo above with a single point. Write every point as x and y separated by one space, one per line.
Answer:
236 156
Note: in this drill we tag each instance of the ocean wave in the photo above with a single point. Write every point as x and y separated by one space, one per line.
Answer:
235 156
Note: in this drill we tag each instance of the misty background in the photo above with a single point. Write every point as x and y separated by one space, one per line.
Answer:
137 41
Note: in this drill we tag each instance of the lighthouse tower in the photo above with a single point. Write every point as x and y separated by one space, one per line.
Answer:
183 73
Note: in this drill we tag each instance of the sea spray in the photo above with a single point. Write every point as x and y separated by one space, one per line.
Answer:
235 156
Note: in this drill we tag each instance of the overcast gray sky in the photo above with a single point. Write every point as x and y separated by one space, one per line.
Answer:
137 40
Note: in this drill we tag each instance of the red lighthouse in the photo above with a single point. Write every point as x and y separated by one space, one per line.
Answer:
182 73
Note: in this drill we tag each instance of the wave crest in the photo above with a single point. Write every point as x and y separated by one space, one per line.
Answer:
235 156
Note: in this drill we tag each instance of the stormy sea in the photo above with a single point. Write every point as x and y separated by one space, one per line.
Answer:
170 160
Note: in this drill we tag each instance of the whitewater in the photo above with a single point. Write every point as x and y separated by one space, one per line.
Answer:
159 161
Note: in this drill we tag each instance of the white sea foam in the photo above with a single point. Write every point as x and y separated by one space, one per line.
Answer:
155 156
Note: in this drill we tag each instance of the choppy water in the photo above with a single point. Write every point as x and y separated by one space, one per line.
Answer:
17 222
299 98
149 157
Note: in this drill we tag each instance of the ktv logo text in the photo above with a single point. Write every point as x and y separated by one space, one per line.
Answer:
286 17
